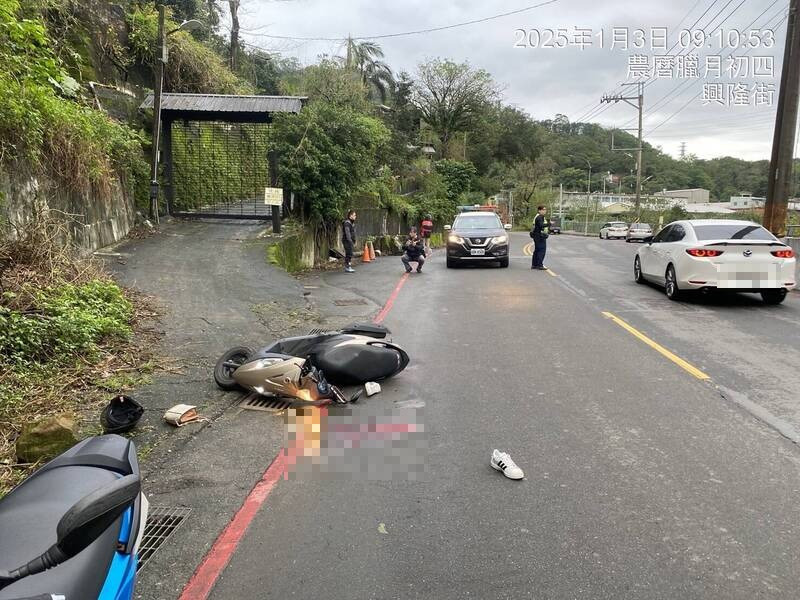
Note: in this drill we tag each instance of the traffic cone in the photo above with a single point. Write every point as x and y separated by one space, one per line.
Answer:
371 247
365 257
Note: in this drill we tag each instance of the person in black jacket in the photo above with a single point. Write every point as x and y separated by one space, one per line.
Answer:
349 239
540 233
414 251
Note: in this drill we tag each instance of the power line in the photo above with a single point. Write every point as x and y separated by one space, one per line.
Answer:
771 25
682 86
407 33
598 110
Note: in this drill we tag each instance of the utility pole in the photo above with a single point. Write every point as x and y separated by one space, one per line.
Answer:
588 197
639 98
780 164
161 59
683 150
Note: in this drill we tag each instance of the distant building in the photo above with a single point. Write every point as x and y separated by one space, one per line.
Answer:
747 202
691 196
701 208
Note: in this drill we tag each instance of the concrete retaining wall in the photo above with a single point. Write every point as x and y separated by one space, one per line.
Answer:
93 220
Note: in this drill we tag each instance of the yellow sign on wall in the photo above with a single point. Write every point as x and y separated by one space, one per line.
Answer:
273 196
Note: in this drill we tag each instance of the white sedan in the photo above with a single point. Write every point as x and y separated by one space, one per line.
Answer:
614 229
737 256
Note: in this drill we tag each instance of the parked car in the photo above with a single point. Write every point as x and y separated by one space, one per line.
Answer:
555 225
638 232
477 237
709 254
614 229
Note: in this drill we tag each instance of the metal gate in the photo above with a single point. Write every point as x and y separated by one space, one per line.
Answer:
217 169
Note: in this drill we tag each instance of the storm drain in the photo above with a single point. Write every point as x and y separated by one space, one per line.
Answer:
162 521
350 302
265 403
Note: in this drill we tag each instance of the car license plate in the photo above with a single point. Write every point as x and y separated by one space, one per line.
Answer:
477 252
734 276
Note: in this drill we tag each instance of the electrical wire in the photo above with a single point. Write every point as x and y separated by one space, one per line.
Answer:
679 88
602 107
693 98
408 33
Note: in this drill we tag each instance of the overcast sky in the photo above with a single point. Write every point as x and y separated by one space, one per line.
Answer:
545 81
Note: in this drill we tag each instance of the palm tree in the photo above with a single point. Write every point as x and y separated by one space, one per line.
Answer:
364 58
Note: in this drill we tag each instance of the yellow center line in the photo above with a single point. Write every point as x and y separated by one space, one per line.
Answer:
551 272
658 347
527 249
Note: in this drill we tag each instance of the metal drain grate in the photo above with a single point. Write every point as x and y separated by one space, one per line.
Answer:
162 521
268 404
350 302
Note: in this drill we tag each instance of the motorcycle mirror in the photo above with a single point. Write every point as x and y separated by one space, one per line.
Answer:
81 525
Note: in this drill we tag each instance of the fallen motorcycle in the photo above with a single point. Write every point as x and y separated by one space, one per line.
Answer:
85 509
281 375
353 355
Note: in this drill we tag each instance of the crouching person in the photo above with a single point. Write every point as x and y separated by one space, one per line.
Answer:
414 251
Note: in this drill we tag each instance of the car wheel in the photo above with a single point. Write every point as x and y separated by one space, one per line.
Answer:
504 262
628 240
637 270
773 296
450 263
601 235
671 284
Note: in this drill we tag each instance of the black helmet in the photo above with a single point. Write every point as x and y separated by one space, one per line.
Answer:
121 415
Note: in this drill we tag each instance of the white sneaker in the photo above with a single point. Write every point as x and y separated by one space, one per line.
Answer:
501 461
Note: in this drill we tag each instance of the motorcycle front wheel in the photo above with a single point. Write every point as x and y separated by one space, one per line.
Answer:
227 364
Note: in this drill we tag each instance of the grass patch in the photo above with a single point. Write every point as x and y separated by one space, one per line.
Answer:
70 338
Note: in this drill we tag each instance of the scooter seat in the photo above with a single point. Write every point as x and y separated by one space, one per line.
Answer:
374 331
29 516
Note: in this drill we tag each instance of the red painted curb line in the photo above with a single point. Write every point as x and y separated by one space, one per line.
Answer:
206 575
390 302
214 562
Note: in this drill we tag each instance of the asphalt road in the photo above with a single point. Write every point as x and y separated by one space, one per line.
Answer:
642 481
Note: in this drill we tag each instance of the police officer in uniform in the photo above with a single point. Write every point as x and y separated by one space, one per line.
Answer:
540 233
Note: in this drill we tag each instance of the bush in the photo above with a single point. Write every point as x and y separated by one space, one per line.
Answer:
65 322
75 144
192 66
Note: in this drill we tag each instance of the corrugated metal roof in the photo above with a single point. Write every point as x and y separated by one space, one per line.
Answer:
227 103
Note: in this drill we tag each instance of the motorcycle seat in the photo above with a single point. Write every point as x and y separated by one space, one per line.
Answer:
29 516
373 331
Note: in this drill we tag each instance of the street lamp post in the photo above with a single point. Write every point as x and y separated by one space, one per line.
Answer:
159 84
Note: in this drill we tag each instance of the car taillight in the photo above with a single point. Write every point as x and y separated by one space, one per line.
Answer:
703 252
783 253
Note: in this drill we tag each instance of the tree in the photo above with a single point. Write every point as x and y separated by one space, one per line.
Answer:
330 83
327 152
364 58
234 8
450 97
457 176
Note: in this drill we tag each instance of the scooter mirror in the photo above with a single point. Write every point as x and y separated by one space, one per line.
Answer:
81 525
92 515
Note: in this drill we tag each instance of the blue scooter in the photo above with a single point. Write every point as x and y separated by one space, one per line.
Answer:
71 531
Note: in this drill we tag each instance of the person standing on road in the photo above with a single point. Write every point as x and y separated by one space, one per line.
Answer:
413 251
349 239
426 227
540 233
